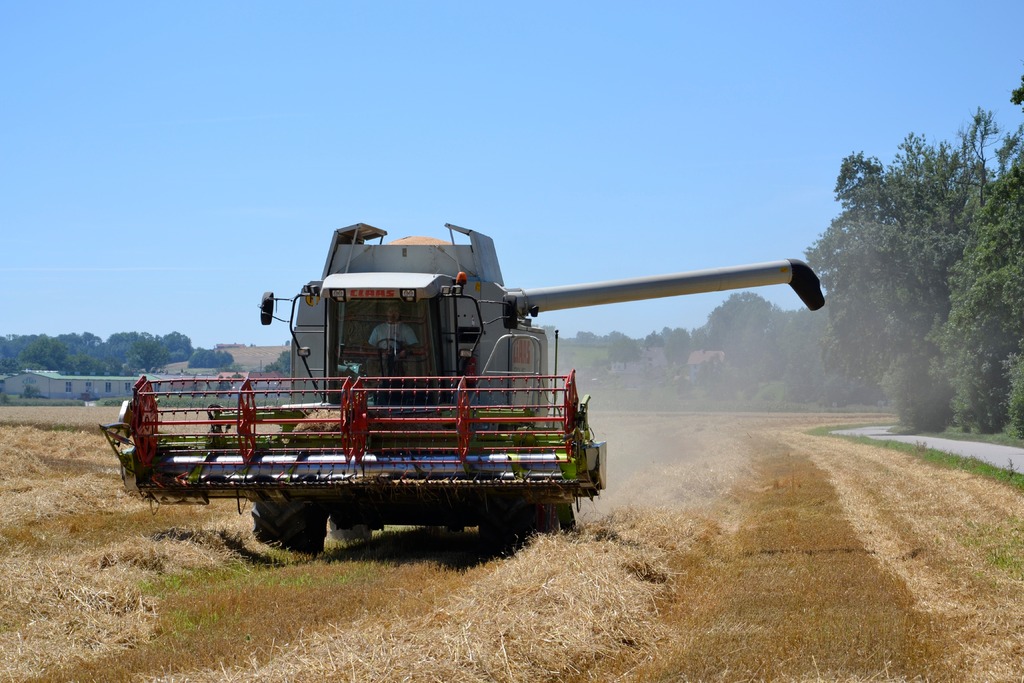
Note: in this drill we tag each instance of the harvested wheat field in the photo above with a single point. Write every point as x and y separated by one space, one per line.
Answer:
729 548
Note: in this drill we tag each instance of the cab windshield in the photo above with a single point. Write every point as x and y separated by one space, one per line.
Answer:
383 338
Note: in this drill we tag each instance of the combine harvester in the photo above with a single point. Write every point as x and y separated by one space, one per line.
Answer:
420 396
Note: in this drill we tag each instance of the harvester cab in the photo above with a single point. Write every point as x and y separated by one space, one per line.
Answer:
417 307
419 395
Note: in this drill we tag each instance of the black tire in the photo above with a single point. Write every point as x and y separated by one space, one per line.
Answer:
297 526
507 523
566 517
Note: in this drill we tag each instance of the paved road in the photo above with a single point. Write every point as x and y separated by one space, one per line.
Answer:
1000 456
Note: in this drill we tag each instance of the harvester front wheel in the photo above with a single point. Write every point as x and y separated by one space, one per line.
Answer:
507 523
297 526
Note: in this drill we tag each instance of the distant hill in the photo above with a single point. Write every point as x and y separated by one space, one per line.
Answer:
247 358
254 357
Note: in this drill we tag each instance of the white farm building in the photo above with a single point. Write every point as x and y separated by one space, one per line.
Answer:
46 384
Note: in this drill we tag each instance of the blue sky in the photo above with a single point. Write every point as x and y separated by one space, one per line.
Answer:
163 164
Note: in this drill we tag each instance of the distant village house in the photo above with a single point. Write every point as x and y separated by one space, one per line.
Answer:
700 358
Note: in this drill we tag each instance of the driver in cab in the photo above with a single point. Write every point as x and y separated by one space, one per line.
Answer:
393 337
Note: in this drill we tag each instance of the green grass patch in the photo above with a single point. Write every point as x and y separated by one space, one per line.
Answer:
1008 558
1002 543
826 430
288 571
240 613
19 402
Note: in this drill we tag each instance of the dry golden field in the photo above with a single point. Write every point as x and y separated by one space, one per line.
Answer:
729 548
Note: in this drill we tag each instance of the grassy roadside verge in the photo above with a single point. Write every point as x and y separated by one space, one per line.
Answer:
1001 439
1011 477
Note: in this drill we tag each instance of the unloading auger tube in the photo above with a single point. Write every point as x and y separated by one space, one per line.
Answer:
793 272
453 422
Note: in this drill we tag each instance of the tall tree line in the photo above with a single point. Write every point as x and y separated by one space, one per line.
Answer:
923 269
119 354
770 354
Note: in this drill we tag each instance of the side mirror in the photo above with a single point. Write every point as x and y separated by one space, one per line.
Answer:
509 316
267 308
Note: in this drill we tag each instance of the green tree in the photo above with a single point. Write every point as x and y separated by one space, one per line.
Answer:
12 345
85 343
982 337
799 338
44 353
282 364
677 344
654 341
119 344
1017 96
179 347
1015 408
886 262
147 354
622 349
205 358
745 327
84 364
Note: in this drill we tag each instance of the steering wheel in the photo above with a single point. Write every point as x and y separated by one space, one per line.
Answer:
394 345
390 351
